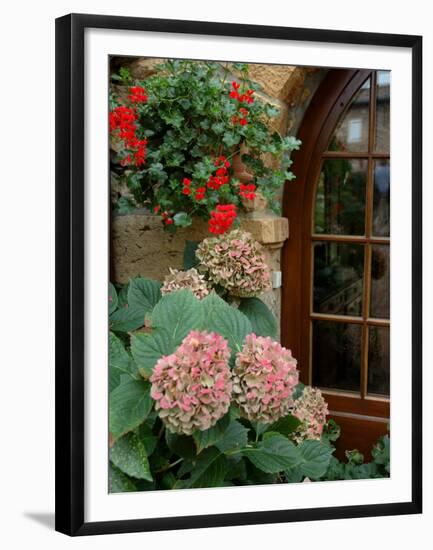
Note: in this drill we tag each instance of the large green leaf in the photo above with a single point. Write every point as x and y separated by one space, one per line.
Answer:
285 425
235 437
189 258
209 470
147 438
148 348
112 299
119 482
315 457
119 360
181 445
261 317
273 454
143 294
206 438
220 317
130 404
129 455
126 319
178 313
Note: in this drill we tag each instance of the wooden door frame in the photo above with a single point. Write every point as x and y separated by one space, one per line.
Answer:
360 417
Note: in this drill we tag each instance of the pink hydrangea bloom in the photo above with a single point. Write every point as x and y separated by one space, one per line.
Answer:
235 261
264 378
192 387
311 409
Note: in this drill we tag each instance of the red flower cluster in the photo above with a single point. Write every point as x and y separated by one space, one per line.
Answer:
222 218
122 121
166 218
137 94
221 176
242 98
186 186
247 191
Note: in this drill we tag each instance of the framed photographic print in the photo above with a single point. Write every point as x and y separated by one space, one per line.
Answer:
238 274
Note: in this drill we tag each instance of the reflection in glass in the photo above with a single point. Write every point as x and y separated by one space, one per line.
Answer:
379 302
351 133
378 360
381 199
336 355
340 197
338 278
382 111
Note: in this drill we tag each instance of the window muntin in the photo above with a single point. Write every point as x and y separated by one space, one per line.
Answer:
350 250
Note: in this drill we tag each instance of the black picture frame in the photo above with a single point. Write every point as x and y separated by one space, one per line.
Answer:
70 284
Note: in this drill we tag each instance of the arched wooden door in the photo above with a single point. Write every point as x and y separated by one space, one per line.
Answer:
335 302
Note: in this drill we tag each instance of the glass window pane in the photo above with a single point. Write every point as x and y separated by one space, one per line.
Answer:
338 278
382 111
378 360
336 355
351 133
379 303
381 195
340 197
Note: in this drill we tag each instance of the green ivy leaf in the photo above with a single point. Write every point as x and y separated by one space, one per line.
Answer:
143 294
120 361
261 317
130 404
129 455
178 313
119 482
273 454
206 438
146 349
112 298
182 219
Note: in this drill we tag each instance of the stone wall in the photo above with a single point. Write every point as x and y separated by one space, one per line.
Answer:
139 244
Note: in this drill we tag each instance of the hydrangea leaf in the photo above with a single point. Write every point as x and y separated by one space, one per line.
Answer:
120 361
235 437
126 319
226 320
189 258
130 404
178 313
148 348
261 317
112 298
129 455
206 438
285 425
147 438
143 294
315 457
209 470
273 454
119 482
181 445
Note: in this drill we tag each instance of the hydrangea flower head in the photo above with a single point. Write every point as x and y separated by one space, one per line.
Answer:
235 261
192 387
311 409
264 378
191 279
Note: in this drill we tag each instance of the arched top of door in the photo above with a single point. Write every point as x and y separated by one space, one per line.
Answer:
329 102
